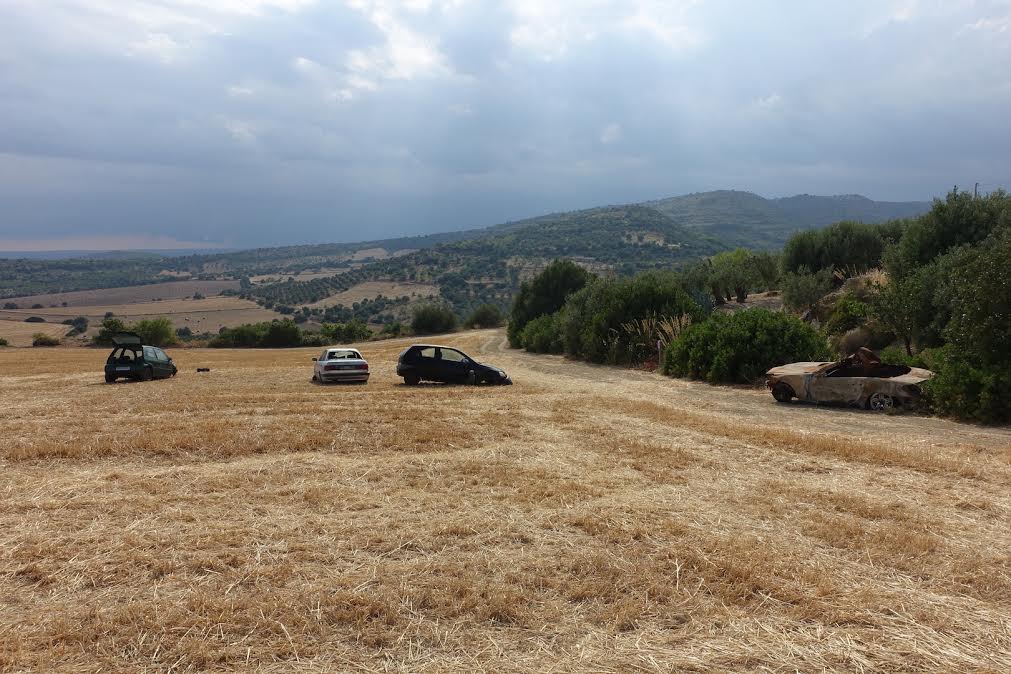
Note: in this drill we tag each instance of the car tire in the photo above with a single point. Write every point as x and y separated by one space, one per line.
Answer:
148 374
110 379
880 402
782 393
472 378
412 380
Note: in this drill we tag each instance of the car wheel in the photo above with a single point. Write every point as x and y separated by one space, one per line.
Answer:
148 374
110 379
472 378
881 402
782 393
412 380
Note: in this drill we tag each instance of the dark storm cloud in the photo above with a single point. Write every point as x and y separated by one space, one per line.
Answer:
271 121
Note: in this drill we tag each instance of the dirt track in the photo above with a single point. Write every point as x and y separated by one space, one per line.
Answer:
586 518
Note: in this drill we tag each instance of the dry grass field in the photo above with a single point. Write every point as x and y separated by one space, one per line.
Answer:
584 519
19 333
373 289
206 315
170 290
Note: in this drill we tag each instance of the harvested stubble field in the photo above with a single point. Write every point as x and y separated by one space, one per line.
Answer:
203 315
584 519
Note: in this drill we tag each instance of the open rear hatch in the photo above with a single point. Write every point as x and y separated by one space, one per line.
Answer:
126 339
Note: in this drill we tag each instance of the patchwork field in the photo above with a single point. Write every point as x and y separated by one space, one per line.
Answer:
206 315
585 518
373 289
170 290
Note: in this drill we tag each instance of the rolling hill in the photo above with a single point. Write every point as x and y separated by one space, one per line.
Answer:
468 267
747 219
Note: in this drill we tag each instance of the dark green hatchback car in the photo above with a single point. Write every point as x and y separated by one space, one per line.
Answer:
130 359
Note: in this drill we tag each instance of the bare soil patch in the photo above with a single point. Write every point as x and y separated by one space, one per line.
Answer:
585 518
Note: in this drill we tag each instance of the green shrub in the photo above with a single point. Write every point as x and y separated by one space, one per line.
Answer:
966 390
545 294
281 335
110 326
592 324
35 319
241 336
802 290
844 245
355 330
740 347
485 316
4 342
542 335
42 339
432 319
155 331
848 313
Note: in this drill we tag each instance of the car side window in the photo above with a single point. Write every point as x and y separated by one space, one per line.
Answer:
149 353
427 352
453 356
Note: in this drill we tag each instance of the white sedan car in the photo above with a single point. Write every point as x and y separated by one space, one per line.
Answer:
340 364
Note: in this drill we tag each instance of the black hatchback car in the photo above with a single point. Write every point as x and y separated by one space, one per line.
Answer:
430 362
130 359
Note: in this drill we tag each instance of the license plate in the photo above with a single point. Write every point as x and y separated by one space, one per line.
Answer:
122 369
345 367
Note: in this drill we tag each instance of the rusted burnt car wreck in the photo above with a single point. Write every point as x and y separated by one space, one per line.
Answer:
860 379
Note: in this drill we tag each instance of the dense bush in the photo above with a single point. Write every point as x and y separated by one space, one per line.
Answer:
542 335
802 290
155 331
597 322
544 295
346 333
42 339
850 246
4 342
740 347
430 319
848 313
35 319
272 335
485 316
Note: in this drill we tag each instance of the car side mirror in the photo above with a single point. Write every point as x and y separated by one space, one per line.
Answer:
314 360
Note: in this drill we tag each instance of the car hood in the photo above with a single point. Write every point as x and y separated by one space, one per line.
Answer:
916 375
798 368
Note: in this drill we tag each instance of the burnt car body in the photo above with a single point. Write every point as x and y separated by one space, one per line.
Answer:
432 362
861 380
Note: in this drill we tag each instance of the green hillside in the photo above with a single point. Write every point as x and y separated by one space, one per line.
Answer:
746 219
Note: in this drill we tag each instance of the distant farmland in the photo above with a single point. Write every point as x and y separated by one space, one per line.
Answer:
373 289
169 290
19 333
206 315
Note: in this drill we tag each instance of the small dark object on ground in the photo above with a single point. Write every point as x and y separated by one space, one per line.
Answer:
203 369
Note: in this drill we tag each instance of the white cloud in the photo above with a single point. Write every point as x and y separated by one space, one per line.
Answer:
610 133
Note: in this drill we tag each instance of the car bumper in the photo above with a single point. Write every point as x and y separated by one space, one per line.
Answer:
349 376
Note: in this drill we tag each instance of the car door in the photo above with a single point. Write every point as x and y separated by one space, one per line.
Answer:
454 364
164 362
835 387
427 363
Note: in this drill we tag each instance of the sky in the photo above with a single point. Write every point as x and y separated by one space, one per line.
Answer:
237 123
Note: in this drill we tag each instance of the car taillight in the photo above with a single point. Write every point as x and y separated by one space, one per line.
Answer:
329 368
363 366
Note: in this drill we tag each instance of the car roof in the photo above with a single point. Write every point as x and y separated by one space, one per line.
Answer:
434 346
341 348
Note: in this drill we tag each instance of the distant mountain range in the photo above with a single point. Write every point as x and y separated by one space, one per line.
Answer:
746 219
479 264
